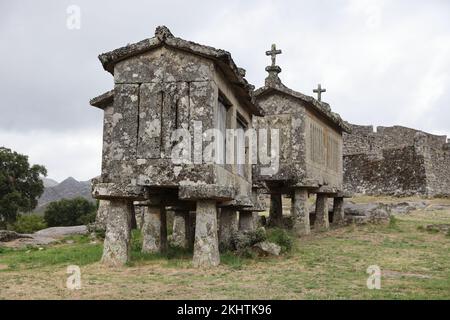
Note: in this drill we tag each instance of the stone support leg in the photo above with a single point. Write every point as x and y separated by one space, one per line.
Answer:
322 221
154 239
102 214
206 246
228 225
116 248
248 220
276 210
338 211
180 231
300 212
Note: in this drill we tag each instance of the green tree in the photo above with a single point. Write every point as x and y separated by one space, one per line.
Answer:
69 212
29 223
20 185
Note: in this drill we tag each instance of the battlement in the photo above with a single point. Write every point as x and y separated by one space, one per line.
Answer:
366 140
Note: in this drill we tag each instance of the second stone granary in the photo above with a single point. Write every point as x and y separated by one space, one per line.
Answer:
166 83
310 152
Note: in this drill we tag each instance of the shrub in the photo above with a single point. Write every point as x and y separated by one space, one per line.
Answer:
87 218
71 212
282 238
29 223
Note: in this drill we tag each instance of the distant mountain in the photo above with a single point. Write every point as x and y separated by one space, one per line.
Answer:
67 189
49 182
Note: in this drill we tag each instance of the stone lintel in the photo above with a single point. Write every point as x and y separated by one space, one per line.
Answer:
108 191
327 190
205 192
240 203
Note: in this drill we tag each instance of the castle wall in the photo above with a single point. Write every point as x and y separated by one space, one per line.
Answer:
399 172
396 161
438 172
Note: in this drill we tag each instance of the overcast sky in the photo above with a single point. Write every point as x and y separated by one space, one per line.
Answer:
382 62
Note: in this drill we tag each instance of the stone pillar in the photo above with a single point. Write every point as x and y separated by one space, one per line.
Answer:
180 231
206 246
276 210
338 211
191 229
300 212
248 220
102 214
116 248
139 210
154 229
227 226
322 223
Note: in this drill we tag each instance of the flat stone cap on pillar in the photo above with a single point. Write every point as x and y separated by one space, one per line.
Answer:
240 202
107 191
206 191
344 194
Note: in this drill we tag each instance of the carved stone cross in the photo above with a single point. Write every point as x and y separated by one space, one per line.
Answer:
319 91
273 54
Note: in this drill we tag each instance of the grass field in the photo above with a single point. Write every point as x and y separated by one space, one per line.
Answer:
415 264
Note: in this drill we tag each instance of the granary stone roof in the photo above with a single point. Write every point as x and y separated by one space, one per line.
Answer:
103 100
163 37
321 107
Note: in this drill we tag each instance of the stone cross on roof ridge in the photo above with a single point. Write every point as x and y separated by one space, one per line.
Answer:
273 69
319 91
273 54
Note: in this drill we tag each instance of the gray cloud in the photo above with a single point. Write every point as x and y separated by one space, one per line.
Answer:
382 62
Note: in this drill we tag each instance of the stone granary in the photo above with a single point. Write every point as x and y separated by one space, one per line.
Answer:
396 161
164 85
310 152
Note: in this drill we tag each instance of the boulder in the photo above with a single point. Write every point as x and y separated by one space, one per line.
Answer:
60 232
266 248
6 235
362 213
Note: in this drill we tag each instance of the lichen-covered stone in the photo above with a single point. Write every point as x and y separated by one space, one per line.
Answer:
206 246
116 248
